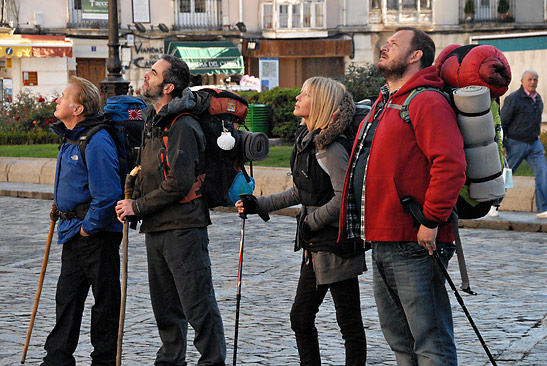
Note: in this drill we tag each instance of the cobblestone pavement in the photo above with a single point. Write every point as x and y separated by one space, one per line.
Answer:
506 268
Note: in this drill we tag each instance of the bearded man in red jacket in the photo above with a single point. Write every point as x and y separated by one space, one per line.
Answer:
393 159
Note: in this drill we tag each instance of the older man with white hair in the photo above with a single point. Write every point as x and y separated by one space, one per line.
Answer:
521 121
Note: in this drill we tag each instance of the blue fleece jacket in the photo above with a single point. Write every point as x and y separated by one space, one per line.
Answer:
99 184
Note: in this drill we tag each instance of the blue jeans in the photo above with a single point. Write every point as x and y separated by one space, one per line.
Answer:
412 302
181 291
533 154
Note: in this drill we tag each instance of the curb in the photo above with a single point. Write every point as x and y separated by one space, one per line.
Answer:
518 207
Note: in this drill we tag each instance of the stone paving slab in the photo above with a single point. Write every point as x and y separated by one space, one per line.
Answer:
507 269
507 220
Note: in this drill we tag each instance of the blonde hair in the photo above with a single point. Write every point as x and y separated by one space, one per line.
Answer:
326 97
88 95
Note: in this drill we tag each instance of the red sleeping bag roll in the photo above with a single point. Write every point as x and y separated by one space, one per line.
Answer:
483 65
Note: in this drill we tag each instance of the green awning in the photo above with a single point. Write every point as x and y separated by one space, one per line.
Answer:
208 57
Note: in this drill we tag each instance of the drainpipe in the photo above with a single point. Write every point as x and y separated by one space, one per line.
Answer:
345 13
241 11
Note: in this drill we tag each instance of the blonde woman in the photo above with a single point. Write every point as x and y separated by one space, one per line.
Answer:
318 164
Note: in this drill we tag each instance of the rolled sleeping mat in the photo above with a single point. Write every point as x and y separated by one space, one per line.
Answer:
477 129
472 99
483 161
256 146
487 191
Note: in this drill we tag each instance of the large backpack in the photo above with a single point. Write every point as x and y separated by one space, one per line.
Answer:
466 206
223 112
125 124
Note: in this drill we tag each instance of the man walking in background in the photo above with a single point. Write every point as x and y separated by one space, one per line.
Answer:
521 121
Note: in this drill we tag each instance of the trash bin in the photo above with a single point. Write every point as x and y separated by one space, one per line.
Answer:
257 118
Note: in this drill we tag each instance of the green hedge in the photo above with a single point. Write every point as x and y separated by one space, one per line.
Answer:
27 138
282 122
361 81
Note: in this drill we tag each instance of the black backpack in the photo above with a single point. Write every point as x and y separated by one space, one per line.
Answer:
222 113
350 133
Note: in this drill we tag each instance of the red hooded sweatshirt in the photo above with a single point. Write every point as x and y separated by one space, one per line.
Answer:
425 161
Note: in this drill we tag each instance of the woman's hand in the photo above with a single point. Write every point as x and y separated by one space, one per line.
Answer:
240 207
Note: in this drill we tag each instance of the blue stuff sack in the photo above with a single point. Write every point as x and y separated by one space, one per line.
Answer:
240 186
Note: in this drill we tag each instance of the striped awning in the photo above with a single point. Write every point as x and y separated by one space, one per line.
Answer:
208 57
20 45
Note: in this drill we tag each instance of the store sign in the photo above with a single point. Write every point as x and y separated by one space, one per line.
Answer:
30 78
95 9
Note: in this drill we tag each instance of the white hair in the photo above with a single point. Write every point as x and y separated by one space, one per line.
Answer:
528 71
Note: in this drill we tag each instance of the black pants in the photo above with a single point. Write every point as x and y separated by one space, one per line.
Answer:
86 262
309 297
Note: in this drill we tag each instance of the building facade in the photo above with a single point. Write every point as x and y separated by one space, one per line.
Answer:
282 42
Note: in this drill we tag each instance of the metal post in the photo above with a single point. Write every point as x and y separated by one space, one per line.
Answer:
114 84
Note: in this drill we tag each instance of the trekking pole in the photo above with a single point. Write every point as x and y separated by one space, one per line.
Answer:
460 301
53 216
129 185
461 258
239 273
409 203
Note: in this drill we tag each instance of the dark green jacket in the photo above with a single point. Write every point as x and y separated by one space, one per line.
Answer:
158 192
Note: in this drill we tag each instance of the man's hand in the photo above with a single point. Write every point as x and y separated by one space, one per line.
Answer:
124 208
82 232
426 238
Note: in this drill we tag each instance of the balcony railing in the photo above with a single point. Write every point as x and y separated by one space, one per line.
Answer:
198 15
486 11
76 21
188 15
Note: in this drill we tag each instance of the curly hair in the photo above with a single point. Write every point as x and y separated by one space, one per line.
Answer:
178 74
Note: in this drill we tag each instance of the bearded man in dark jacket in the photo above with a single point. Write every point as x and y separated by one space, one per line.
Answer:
175 216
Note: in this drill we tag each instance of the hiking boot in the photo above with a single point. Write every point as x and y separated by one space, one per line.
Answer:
542 215
494 211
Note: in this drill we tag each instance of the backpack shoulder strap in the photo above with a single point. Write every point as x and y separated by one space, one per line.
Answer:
86 136
165 133
404 108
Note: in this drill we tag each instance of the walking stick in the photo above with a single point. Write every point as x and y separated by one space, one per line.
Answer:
460 301
409 203
53 216
239 273
129 185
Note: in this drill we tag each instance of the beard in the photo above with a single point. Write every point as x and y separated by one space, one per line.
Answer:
395 70
153 93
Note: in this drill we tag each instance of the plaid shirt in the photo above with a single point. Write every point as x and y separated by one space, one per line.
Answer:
355 217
